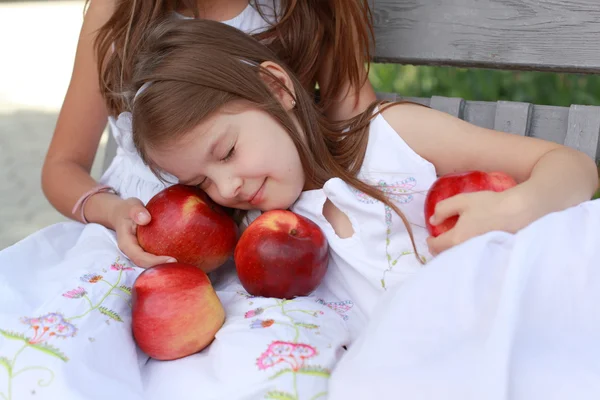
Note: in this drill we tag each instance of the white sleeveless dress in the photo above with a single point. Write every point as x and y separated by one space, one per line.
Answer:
493 318
65 318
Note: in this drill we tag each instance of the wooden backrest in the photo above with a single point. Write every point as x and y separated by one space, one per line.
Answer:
540 35
537 35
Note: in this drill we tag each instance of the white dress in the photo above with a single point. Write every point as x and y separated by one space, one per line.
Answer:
493 318
65 318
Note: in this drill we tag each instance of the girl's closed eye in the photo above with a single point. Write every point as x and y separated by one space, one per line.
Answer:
229 154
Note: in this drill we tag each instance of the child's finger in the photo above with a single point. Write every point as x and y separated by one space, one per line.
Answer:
130 247
447 208
443 242
139 214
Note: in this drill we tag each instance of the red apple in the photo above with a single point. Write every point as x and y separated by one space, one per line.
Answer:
465 182
281 254
175 311
188 226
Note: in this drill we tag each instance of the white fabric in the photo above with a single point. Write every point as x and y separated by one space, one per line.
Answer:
379 255
501 316
65 330
65 319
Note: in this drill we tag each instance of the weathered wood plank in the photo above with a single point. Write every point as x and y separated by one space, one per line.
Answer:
513 117
549 123
480 113
577 127
452 105
548 35
584 130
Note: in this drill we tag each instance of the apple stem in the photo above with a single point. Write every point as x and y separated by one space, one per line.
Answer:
293 232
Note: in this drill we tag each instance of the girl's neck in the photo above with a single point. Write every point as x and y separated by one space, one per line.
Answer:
217 10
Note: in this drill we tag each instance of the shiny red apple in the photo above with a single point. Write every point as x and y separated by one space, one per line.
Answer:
464 182
175 311
281 254
188 226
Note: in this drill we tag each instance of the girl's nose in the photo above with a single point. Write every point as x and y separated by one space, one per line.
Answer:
229 187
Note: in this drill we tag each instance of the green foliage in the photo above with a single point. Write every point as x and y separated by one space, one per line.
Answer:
487 85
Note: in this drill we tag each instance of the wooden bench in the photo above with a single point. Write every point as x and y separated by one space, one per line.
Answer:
531 35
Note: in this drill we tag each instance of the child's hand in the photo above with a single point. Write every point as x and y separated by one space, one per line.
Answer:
125 218
478 213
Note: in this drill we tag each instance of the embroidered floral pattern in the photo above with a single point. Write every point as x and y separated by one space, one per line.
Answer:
116 266
401 192
340 307
44 329
53 324
91 278
288 356
292 354
254 313
75 293
259 323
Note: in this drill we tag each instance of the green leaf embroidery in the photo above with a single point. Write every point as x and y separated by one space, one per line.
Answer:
51 350
110 313
126 289
315 371
7 364
307 326
277 395
43 347
281 372
14 335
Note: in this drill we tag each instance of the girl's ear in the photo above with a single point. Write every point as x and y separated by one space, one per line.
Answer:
280 84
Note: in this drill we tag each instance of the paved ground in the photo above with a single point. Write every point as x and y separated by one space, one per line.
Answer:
37 45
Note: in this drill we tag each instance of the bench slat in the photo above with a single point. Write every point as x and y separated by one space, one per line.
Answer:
583 130
513 117
505 34
576 126
452 105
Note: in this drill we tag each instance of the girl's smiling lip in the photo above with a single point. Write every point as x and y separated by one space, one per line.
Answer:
257 197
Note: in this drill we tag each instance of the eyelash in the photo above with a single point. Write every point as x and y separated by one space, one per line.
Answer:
229 154
224 159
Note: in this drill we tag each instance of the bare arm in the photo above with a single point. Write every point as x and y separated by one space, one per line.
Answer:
551 177
83 116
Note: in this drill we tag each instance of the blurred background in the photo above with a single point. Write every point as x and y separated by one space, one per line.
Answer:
37 48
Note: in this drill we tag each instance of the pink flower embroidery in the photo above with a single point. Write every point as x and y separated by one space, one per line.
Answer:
292 354
91 278
52 324
75 293
253 313
120 267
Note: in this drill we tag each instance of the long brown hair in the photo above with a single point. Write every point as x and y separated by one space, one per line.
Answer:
306 33
190 69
